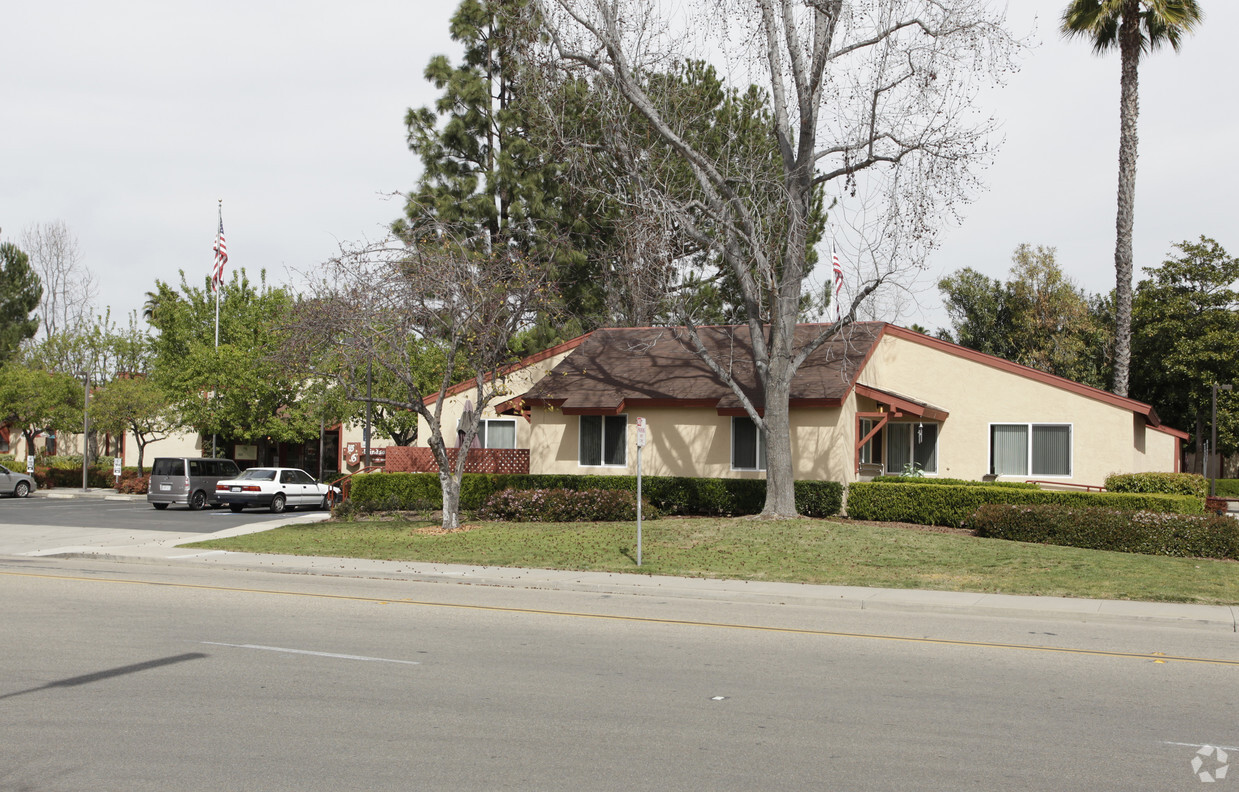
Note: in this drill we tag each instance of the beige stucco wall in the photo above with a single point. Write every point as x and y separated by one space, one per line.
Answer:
514 384
1105 438
697 442
693 442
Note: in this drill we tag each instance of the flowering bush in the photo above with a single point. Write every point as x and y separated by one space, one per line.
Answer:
1151 533
562 505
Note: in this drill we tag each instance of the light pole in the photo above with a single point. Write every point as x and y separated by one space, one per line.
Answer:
85 428
1213 440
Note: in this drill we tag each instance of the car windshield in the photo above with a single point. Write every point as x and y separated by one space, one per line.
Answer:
258 474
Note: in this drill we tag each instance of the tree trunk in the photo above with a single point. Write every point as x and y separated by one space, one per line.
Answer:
1129 110
780 471
451 501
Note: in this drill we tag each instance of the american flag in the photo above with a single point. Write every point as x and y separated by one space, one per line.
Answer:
221 258
834 259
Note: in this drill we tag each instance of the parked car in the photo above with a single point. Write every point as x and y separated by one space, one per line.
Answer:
276 489
19 485
187 481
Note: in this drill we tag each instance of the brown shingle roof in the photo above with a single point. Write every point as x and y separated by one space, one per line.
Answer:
618 366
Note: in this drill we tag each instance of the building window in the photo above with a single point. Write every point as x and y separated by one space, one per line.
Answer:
49 444
748 445
912 446
1030 449
871 452
603 441
497 433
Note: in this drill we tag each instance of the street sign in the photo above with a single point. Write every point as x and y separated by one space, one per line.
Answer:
30 465
640 433
116 467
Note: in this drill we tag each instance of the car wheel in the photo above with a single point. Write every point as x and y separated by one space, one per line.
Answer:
325 503
236 507
160 506
277 503
197 501
21 490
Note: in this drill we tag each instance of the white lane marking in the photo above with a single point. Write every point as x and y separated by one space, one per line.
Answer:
316 654
1201 745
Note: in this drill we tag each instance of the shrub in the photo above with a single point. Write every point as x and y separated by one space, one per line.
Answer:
670 495
952 504
1165 483
1150 533
563 505
1228 488
890 479
132 483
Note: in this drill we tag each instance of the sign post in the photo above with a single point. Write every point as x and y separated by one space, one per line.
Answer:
640 445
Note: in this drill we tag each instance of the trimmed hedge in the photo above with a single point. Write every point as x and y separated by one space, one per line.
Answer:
1165 483
669 495
934 480
951 504
1150 533
1228 488
563 505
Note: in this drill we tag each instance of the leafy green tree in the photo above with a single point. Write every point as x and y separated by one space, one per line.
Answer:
101 348
1135 27
135 404
38 401
1185 326
240 390
1037 318
20 292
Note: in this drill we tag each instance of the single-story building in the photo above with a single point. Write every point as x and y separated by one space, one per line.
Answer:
876 398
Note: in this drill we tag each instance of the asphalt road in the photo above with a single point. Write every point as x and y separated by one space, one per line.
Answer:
153 677
121 515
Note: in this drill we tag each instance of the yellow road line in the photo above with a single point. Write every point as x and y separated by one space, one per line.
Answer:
1153 656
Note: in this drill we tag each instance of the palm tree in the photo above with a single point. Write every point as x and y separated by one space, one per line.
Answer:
1136 27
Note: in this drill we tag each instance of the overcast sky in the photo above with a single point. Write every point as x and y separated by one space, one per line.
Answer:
129 120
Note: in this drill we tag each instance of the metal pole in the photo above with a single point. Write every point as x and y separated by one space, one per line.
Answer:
369 365
638 505
86 431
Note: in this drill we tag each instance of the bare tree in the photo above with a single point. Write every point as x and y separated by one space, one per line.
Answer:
871 101
380 304
69 286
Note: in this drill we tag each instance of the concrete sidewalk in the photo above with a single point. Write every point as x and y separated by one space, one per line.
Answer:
165 547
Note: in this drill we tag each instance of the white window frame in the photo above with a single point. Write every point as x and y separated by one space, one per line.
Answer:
581 438
484 426
1032 426
866 451
937 427
760 451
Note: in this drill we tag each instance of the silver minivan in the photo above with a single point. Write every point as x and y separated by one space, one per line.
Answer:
187 481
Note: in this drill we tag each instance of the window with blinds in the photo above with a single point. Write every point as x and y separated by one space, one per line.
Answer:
603 441
748 445
1030 449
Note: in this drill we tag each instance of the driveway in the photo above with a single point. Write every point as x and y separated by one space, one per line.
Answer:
59 523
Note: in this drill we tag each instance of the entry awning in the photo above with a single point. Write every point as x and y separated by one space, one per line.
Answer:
904 404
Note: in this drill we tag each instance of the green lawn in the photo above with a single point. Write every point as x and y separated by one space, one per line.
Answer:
798 551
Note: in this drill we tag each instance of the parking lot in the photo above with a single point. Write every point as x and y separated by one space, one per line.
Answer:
108 514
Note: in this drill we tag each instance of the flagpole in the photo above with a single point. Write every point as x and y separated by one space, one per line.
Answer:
216 280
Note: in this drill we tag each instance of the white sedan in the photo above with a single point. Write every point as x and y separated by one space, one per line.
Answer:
276 489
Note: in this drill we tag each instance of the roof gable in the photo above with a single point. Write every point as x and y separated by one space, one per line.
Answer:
615 367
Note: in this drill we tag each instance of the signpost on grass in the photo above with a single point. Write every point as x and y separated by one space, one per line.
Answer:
640 445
